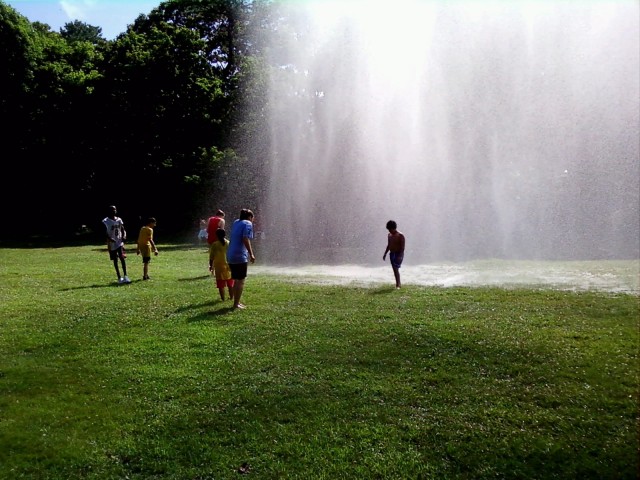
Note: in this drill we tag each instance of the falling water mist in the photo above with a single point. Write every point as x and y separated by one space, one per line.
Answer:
503 130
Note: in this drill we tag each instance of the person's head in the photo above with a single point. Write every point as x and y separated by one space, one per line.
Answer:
219 213
220 233
246 214
151 222
111 211
391 225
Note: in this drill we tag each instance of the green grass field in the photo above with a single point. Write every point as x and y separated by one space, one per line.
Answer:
161 380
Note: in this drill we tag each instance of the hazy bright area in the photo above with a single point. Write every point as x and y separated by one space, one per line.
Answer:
604 276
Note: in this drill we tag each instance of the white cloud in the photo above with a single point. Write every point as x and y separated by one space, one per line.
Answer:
79 10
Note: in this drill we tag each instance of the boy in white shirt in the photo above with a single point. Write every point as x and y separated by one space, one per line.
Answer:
116 235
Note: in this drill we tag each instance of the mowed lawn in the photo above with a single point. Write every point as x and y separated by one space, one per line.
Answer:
162 380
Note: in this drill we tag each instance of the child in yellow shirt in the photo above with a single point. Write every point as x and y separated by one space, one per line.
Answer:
146 245
218 265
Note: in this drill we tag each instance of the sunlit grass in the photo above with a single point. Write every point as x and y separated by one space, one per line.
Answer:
160 379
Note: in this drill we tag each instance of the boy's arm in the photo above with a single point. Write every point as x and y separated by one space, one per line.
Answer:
139 241
247 244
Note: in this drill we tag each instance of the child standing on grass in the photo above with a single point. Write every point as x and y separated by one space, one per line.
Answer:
395 248
202 233
218 265
116 235
146 245
240 253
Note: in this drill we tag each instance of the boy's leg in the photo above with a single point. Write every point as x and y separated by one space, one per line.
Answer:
122 260
230 288
238 286
113 256
115 264
396 274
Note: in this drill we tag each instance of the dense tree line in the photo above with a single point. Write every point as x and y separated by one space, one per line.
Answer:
154 121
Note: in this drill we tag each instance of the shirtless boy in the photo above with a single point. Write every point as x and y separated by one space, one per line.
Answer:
395 248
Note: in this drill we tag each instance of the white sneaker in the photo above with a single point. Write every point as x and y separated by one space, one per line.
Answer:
121 280
126 279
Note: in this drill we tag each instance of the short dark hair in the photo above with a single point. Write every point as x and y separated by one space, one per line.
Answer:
245 213
151 220
391 225
220 233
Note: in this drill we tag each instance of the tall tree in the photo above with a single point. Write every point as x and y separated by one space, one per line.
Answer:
169 92
159 110
45 86
160 105
80 31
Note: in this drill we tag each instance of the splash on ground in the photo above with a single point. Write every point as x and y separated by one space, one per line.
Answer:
605 276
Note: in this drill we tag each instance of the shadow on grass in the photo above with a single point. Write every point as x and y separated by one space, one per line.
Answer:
206 316
131 247
182 247
383 290
113 284
195 306
97 243
194 279
218 308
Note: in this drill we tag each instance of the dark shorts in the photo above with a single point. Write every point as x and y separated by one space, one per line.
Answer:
238 270
115 254
146 260
396 259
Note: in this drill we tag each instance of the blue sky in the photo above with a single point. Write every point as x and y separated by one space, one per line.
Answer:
112 16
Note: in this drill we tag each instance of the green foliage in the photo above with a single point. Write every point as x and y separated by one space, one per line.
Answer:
78 31
49 104
155 99
161 379
19 59
66 71
16 35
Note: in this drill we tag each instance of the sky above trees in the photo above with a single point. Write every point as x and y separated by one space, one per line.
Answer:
112 16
